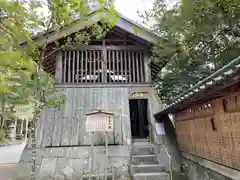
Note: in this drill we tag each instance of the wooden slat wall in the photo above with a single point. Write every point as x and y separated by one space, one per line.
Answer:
124 66
67 125
155 105
212 131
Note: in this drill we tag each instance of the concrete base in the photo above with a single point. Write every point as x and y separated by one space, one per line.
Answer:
71 162
11 154
198 168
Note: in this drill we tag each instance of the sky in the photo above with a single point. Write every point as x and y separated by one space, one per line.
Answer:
129 8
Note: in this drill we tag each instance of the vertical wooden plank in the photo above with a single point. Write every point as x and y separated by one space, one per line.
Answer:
69 66
90 65
73 66
56 140
99 66
78 66
110 65
66 123
141 67
117 54
86 65
112 56
81 106
129 67
75 119
59 67
107 66
133 66
104 61
65 67
94 65
82 64
39 129
121 65
48 127
137 67
125 65
56 127
147 68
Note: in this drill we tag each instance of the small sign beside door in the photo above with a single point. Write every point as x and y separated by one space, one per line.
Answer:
160 129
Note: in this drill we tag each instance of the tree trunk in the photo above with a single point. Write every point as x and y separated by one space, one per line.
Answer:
38 106
2 120
37 112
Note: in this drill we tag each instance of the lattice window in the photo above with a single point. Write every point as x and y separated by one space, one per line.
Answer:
99 66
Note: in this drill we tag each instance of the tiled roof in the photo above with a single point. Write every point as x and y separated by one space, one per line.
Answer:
229 70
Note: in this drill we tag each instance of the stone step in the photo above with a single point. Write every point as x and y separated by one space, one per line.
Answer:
140 140
141 143
147 168
151 176
144 159
143 149
100 176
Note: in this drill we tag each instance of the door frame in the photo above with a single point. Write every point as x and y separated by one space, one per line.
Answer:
148 114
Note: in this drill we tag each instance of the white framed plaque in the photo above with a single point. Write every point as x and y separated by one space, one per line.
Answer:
99 122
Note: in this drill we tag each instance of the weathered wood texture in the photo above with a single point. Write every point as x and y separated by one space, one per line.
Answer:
66 126
155 105
212 130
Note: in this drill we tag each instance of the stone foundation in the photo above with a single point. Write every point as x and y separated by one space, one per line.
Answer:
69 163
200 169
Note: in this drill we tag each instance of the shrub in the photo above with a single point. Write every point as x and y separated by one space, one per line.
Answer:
2 135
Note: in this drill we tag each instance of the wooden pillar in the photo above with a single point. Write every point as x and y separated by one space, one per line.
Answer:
59 67
15 124
65 67
86 65
69 66
21 127
26 128
73 66
117 60
141 66
112 56
125 66
82 65
104 68
147 68
129 67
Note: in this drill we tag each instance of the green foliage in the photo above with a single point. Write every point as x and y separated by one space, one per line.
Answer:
2 136
21 78
196 39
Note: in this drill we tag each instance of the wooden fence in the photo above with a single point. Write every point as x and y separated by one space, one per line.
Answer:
212 131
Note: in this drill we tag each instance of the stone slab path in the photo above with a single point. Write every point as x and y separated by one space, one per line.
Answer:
8 171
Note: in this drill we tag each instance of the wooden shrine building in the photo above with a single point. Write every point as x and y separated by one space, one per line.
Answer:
114 74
